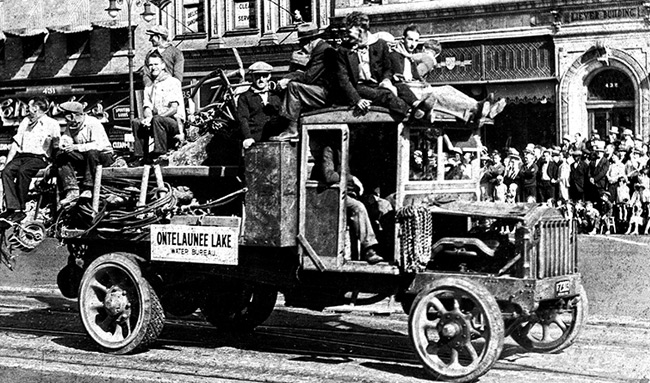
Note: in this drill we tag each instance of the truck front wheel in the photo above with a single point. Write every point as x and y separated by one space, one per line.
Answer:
119 309
553 327
456 328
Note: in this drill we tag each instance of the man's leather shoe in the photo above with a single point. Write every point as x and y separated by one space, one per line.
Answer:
71 196
372 257
285 136
497 108
137 162
485 109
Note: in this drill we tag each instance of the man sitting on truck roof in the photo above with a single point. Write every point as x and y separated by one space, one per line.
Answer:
84 145
311 87
364 71
164 113
409 65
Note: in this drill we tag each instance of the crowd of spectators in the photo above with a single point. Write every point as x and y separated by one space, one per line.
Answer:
602 182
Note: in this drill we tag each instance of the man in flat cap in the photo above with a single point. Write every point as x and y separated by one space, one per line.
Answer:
311 87
31 148
171 56
84 145
164 114
257 108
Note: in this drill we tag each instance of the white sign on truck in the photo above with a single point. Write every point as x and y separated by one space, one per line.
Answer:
217 245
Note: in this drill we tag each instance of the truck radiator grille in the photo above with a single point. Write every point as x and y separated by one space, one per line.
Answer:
556 252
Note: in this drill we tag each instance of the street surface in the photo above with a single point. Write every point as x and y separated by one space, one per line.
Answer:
42 339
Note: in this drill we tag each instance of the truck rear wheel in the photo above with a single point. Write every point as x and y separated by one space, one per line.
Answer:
552 328
240 309
456 328
119 309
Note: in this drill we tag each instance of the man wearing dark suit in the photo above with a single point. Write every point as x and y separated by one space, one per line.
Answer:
577 177
598 172
311 87
364 71
529 178
257 108
404 66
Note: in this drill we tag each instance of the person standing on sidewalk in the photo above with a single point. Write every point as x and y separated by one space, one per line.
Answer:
33 145
84 146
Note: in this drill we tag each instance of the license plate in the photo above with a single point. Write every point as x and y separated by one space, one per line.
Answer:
562 288
217 245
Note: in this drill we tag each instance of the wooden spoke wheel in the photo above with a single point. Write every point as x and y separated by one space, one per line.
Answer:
553 327
239 309
119 309
456 328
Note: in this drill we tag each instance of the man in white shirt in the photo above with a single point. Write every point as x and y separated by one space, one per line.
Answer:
32 146
164 114
84 145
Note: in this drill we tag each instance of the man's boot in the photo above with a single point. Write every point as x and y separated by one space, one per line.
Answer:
70 196
290 134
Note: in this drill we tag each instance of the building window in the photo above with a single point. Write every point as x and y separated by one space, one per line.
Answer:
77 43
245 14
119 39
32 46
193 16
301 10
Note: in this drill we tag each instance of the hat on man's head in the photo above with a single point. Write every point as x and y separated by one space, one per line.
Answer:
567 137
627 132
308 31
530 147
495 152
260 67
613 130
555 151
599 146
512 152
577 152
72 106
158 30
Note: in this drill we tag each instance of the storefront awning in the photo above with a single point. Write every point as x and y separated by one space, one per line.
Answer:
111 24
67 29
26 32
525 92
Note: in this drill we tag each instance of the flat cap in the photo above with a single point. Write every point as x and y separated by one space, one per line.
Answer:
260 67
158 30
72 106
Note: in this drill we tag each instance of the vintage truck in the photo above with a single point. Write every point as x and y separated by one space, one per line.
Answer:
467 273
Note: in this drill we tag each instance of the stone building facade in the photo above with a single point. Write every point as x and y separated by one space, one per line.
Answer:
565 66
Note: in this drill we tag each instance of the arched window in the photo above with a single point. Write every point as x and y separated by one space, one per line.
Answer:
610 102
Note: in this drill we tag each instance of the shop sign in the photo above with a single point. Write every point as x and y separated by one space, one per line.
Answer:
603 14
121 113
244 13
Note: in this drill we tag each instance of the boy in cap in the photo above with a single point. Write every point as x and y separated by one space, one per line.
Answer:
257 108
84 145
171 56
311 87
